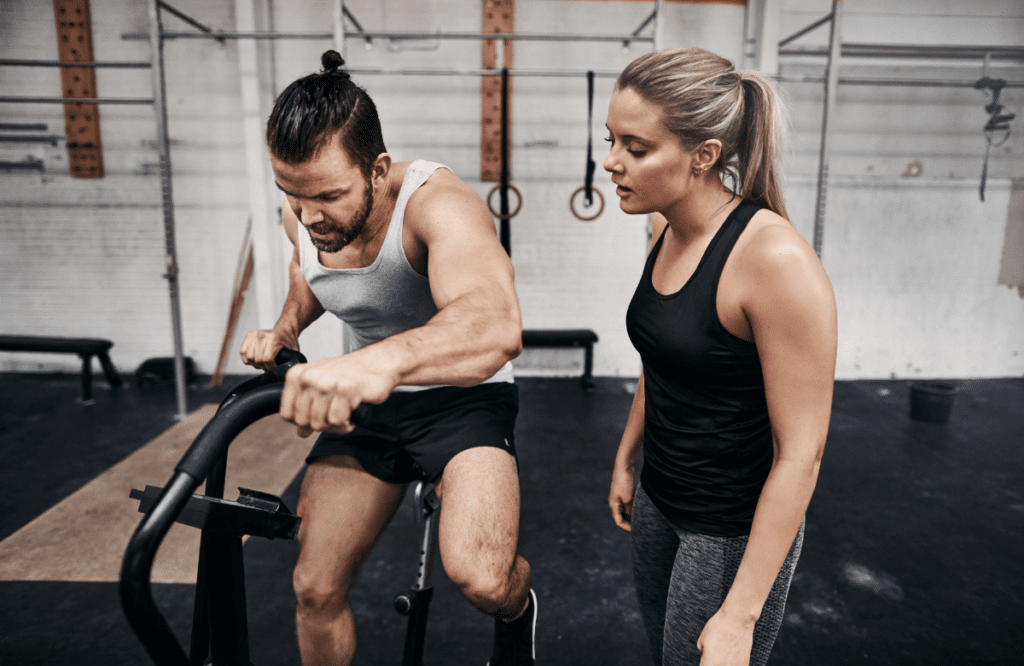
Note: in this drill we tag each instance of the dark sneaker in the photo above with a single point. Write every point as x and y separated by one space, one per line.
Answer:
513 641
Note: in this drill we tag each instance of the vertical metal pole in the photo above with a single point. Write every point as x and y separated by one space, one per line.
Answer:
748 56
659 24
505 231
767 17
338 17
163 141
831 88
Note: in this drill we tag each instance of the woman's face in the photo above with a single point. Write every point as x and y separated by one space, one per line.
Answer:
648 164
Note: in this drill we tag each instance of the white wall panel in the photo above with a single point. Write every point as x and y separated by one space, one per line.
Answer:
914 260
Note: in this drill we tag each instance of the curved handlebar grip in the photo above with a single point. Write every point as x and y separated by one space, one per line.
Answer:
289 356
285 359
231 419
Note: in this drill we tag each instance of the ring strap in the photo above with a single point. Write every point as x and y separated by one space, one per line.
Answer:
588 182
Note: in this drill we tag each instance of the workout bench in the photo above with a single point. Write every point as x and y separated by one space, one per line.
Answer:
566 339
86 348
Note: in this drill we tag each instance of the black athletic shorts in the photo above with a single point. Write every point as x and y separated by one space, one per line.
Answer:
412 435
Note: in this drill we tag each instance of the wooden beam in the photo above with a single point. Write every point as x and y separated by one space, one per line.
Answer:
81 121
496 16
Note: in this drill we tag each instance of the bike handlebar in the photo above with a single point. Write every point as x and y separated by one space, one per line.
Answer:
249 402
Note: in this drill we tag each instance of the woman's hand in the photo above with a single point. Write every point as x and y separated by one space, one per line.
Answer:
620 499
726 641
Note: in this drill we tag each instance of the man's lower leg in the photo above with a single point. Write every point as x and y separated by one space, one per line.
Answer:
326 640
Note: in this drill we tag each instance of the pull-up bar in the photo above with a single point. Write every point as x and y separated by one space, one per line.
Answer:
58 63
566 73
397 36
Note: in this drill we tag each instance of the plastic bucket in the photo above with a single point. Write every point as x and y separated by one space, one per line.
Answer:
931 401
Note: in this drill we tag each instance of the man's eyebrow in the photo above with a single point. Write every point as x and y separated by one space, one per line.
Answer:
298 196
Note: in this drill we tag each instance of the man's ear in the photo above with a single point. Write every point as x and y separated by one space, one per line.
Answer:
381 168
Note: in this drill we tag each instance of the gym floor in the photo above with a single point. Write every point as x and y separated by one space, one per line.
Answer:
913 551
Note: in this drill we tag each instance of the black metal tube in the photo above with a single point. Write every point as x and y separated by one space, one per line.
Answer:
74 100
398 36
209 446
801 33
136 594
208 449
8 62
185 17
416 630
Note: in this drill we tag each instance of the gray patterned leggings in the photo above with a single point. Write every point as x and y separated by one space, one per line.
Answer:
682 579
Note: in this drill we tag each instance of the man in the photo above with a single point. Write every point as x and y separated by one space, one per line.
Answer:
406 255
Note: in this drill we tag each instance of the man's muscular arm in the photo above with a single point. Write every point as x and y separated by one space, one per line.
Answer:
477 329
301 309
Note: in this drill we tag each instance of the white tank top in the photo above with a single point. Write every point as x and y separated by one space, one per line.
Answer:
386 297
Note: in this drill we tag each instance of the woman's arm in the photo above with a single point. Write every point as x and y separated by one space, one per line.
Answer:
620 499
789 303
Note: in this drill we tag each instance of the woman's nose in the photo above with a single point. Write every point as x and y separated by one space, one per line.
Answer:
610 162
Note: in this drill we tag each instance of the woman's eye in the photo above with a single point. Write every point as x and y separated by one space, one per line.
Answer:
637 153
609 139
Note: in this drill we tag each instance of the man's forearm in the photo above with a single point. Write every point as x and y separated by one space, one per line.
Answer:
301 307
296 316
462 345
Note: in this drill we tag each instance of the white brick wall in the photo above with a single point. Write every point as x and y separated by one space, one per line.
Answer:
913 261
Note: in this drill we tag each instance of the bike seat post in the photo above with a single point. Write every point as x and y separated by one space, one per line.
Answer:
426 505
416 601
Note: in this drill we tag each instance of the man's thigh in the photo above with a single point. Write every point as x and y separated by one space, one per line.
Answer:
344 510
479 522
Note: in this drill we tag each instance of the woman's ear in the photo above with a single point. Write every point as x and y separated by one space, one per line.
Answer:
706 155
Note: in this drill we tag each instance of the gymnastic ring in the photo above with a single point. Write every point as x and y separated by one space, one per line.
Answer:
518 205
572 204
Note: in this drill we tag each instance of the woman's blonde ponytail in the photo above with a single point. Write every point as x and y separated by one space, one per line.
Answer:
759 153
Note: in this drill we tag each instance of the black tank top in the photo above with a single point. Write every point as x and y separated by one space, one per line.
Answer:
707 439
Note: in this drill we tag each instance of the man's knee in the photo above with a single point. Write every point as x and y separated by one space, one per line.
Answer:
495 589
486 590
317 593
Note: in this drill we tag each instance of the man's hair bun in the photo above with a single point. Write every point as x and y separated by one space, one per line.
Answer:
333 62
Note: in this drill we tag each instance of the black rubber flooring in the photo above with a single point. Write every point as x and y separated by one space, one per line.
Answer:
914 550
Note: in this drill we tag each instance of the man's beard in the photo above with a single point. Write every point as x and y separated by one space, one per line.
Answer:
338 237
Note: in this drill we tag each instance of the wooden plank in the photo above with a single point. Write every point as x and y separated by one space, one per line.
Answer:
73 23
237 301
83 538
496 16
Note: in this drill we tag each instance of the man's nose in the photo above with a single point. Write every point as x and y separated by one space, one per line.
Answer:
309 214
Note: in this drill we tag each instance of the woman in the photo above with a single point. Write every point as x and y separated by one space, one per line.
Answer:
735 322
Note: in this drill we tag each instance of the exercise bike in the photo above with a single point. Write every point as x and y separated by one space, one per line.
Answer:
219 625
